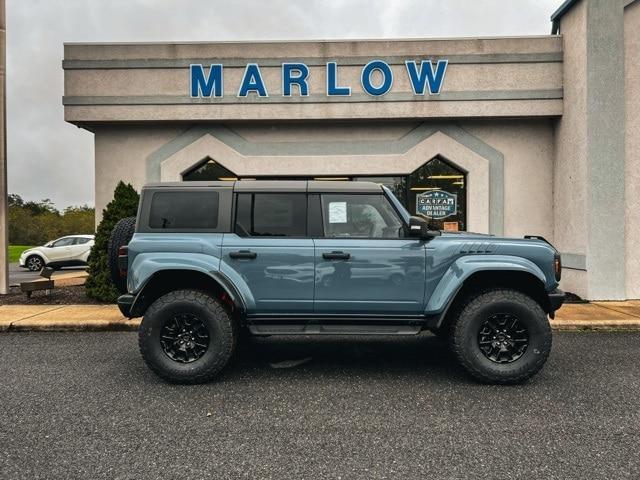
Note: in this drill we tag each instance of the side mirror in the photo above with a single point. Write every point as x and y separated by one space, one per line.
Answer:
419 228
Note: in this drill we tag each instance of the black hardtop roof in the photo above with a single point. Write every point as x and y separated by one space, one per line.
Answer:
319 186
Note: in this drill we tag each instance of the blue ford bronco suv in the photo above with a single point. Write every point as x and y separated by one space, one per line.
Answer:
206 263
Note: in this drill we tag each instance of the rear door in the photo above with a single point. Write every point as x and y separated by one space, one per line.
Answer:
364 264
80 247
269 253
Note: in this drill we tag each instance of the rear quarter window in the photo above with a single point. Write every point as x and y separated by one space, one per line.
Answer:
184 210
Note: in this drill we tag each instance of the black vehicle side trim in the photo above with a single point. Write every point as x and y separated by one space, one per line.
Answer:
334 329
556 299
231 290
335 318
125 302
67 263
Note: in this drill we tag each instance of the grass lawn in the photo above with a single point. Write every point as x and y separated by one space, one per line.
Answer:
15 251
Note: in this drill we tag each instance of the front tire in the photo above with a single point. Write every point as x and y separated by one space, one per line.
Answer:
186 336
501 336
34 263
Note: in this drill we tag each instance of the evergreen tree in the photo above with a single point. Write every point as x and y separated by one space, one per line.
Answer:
124 204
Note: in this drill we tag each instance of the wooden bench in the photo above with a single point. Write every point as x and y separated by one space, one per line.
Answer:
45 283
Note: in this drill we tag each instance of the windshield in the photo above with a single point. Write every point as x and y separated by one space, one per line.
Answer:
396 203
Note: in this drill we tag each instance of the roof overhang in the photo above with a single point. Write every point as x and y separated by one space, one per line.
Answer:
557 15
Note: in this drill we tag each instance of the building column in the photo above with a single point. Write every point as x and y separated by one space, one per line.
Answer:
605 150
4 225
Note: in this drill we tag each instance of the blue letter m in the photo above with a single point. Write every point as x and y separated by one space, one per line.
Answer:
203 86
426 75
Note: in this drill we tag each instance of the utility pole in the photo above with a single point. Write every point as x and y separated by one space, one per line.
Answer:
4 223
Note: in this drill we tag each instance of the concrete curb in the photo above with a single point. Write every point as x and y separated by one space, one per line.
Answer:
64 318
101 318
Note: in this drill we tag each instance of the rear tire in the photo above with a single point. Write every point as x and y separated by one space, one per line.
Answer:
501 336
120 236
186 336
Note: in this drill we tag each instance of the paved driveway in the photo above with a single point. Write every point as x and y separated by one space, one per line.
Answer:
18 275
82 405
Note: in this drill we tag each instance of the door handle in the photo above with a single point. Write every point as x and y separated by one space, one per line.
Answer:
248 254
336 256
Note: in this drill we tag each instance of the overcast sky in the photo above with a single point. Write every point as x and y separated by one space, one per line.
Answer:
49 158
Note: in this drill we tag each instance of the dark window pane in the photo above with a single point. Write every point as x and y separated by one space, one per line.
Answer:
272 214
184 210
64 242
80 241
210 170
360 216
243 214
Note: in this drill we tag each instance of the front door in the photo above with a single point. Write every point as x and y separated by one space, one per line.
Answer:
61 250
364 264
269 255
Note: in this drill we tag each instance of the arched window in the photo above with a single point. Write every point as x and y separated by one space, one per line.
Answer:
438 191
208 170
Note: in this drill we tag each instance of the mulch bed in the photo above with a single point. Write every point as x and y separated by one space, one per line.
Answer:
573 298
59 296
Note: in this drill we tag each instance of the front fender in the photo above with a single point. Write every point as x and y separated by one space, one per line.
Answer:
464 267
39 253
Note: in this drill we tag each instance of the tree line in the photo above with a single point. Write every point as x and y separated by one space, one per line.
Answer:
35 223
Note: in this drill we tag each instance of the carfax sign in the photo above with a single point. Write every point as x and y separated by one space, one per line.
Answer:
436 204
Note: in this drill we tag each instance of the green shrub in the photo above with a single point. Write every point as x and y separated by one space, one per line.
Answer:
124 204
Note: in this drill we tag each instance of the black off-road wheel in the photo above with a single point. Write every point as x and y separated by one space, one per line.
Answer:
120 236
501 336
186 336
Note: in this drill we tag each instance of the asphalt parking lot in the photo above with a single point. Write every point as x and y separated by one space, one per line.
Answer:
83 405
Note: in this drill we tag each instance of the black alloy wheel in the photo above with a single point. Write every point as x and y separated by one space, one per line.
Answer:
184 338
502 338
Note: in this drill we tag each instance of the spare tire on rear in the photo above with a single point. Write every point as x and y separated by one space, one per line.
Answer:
120 236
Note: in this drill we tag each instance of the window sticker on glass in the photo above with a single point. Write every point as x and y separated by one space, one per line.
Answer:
338 212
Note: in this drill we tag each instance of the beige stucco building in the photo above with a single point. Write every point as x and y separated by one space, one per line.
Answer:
532 135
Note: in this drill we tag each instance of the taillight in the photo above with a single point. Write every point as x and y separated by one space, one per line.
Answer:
557 266
123 261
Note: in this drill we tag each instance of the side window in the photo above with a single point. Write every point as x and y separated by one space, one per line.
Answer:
360 216
271 215
63 242
80 241
184 210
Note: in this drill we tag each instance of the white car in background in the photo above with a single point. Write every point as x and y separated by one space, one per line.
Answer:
72 250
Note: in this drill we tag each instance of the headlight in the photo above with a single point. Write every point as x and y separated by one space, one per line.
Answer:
557 266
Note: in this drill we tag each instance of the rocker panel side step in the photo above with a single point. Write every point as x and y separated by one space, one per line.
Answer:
316 329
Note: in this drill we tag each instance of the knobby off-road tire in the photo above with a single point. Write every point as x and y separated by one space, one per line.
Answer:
120 236
477 315
199 312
